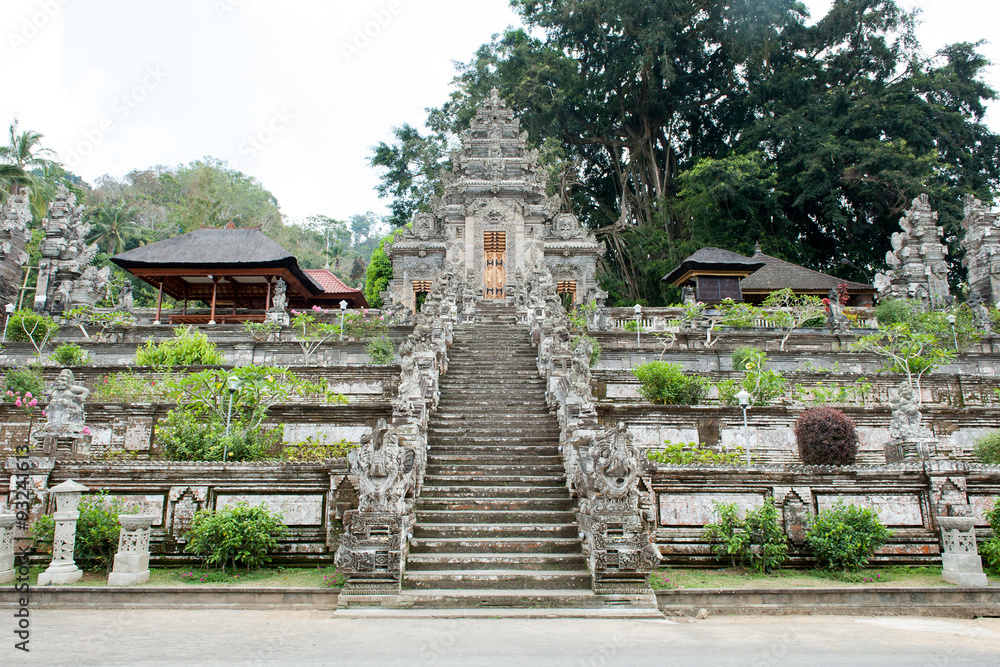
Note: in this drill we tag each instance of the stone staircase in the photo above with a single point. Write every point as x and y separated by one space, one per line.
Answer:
494 514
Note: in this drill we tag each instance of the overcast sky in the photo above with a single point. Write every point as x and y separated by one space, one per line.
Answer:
294 93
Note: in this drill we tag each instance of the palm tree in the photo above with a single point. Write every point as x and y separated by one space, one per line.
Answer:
19 157
114 224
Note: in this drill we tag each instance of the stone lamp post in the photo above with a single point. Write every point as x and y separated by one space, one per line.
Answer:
132 560
962 564
744 400
62 569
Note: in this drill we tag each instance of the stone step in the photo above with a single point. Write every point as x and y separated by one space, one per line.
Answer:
497 579
483 516
486 491
491 531
495 480
493 469
498 445
543 545
452 504
422 562
472 455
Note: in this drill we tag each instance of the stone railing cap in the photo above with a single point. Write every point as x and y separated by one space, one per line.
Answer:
961 523
7 520
136 521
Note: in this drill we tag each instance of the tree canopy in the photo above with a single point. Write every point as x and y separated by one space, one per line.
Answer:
674 124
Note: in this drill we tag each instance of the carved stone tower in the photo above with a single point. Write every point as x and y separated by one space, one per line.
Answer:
494 220
982 249
918 268
15 216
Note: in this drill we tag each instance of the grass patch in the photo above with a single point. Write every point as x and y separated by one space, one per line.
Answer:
271 577
742 578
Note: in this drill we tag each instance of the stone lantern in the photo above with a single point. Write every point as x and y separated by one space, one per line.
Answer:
62 569
961 562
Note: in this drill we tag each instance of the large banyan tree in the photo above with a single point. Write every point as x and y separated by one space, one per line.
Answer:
673 124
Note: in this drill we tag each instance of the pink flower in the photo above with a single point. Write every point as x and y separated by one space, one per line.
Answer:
43 413
27 394
18 402
365 311
10 393
33 402
295 312
86 430
317 309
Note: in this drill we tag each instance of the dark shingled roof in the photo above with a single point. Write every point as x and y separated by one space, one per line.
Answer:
779 274
714 259
216 248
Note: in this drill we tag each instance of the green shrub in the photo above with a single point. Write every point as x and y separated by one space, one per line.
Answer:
128 388
186 435
381 350
26 326
70 354
757 540
187 348
633 327
987 448
826 437
664 383
317 449
894 311
990 549
21 382
595 354
237 536
762 384
844 537
97 531
686 453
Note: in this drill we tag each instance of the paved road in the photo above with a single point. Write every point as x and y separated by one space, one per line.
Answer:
190 637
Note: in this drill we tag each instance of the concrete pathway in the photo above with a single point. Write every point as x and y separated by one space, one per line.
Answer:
220 637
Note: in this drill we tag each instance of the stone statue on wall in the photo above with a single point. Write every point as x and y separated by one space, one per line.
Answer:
918 268
65 428
909 439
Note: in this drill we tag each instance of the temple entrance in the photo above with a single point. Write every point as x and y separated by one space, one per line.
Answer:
495 253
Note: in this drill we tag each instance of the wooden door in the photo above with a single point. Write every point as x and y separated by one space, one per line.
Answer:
495 253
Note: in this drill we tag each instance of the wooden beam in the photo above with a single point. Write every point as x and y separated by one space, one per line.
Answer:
159 303
215 289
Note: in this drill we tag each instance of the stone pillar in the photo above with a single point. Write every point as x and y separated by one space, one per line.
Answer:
7 547
62 569
132 560
962 564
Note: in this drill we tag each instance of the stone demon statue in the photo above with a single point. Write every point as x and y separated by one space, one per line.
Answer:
619 543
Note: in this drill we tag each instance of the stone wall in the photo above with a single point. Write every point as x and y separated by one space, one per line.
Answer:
905 495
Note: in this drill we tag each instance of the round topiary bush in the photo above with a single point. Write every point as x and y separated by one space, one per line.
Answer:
826 437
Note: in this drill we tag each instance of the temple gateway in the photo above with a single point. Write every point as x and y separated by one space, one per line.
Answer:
494 221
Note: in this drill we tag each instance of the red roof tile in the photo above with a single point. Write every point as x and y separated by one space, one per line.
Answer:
330 283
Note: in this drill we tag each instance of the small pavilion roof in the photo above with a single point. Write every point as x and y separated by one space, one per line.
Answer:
713 261
778 274
334 289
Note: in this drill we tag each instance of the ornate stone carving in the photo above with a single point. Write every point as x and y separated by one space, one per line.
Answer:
64 276
131 565
909 439
982 250
63 569
15 218
65 427
961 562
917 265
7 522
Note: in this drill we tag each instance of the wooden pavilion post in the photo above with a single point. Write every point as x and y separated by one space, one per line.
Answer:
215 291
236 293
267 299
185 297
159 303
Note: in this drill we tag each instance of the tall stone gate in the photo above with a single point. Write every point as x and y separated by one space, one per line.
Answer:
494 220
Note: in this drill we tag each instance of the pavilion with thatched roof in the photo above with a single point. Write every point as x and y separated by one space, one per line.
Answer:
234 271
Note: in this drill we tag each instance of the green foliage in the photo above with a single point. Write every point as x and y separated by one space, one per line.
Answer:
262 332
317 449
762 384
687 453
187 348
893 311
381 350
743 355
70 354
987 448
379 272
756 540
905 350
844 537
990 549
97 531
27 326
633 327
595 354
579 316
22 381
664 383
740 314
241 536
128 387
935 322
185 435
